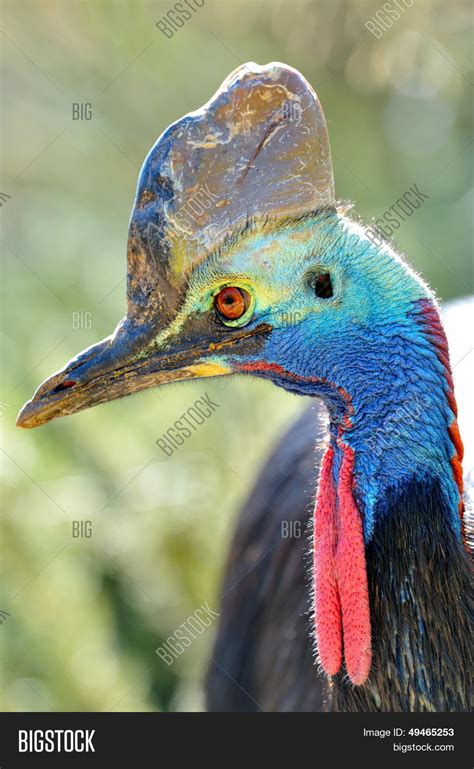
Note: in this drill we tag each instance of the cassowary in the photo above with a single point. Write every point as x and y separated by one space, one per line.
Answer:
240 261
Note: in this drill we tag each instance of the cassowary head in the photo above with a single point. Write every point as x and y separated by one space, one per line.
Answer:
239 260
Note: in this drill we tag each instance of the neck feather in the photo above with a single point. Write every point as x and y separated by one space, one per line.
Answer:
399 427
400 414
419 586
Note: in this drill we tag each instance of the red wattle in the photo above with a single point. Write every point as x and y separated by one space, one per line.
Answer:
326 594
342 610
351 574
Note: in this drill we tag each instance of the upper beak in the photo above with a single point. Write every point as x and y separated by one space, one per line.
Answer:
122 364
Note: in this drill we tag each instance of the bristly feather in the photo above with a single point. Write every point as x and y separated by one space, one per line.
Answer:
421 611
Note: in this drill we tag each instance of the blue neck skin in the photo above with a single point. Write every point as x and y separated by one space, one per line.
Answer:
392 410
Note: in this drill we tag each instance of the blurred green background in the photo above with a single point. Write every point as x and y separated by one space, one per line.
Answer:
86 615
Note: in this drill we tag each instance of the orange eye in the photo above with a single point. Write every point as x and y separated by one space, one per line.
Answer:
231 302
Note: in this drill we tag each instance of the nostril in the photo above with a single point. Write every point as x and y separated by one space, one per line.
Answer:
64 385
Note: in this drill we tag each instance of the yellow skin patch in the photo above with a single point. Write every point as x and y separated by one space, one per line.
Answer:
207 369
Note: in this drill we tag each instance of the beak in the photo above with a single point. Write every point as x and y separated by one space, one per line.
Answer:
125 363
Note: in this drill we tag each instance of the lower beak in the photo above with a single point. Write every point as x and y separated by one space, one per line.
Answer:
97 375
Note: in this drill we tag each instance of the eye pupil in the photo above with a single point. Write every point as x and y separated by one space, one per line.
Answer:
232 302
323 285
